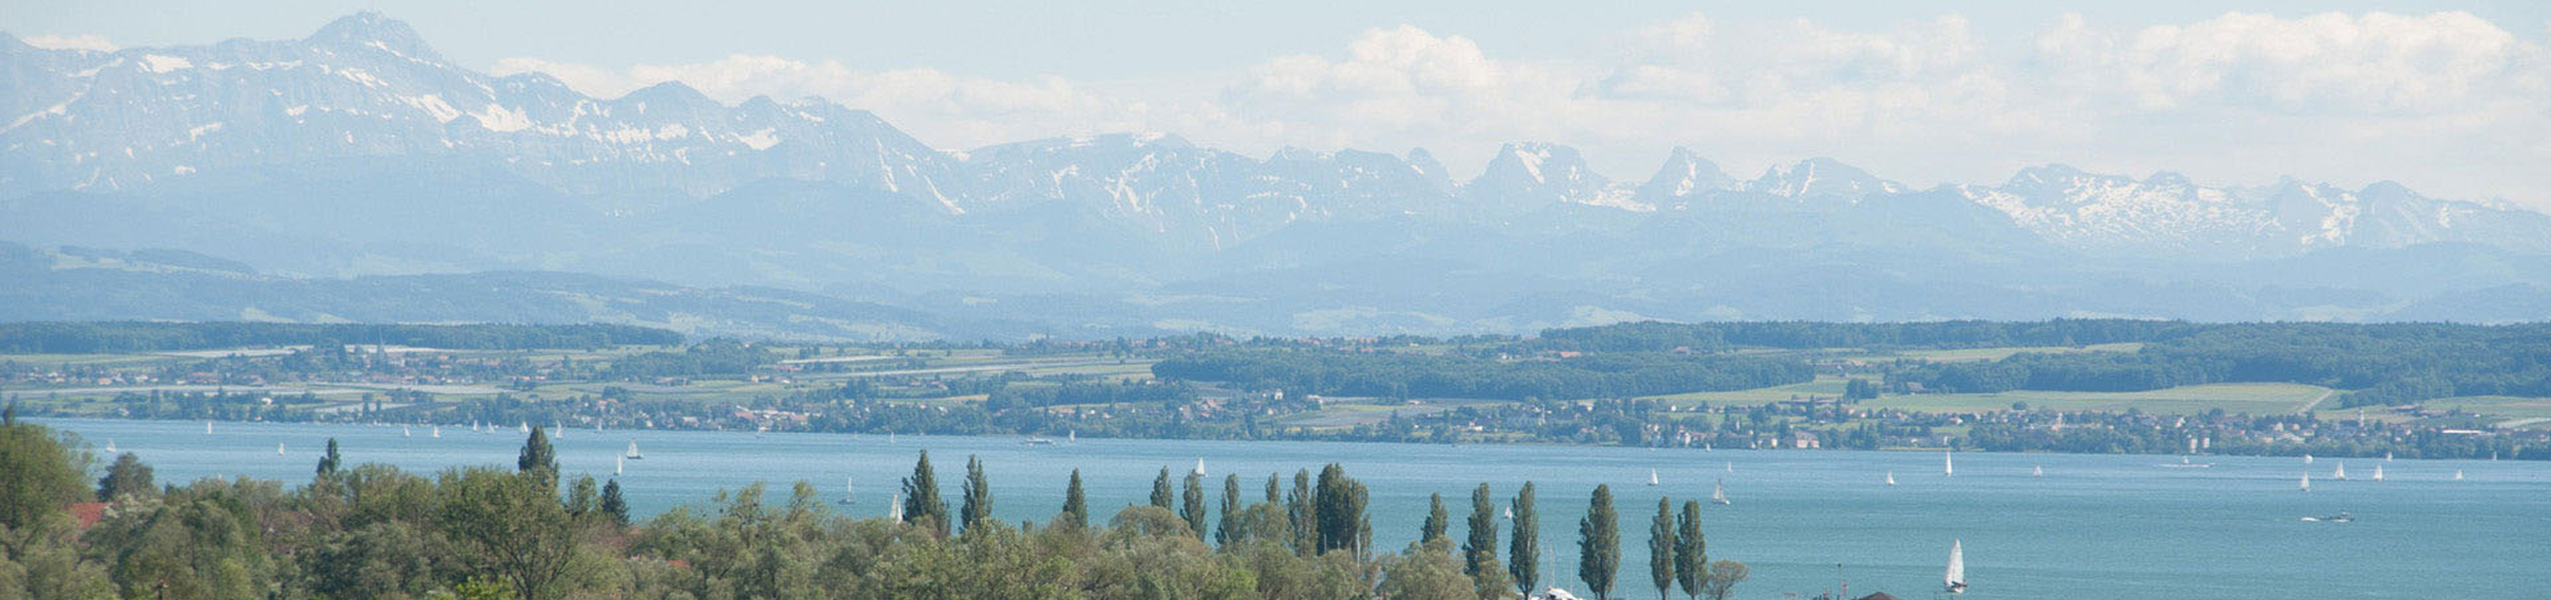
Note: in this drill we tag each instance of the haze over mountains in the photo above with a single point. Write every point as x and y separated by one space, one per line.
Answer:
343 168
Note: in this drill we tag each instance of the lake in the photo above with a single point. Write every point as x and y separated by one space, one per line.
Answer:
2094 527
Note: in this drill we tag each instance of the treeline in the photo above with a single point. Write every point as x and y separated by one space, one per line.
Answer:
136 336
2381 364
713 357
487 533
1809 335
1412 375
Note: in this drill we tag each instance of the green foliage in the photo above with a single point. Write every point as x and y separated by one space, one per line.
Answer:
977 506
1228 530
1191 504
713 357
921 503
1724 575
1408 375
1338 511
1661 539
1523 553
126 477
1436 520
1691 551
510 527
331 461
538 460
1075 503
1599 544
38 474
613 505
1479 548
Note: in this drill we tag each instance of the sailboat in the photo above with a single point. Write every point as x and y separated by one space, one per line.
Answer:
2040 471
1072 436
849 490
2387 457
2341 473
1718 493
1956 577
894 508
2457 474
2307 481
1948 464
405 432
1510 513
1891 478
1731 467
2378 472
619 465
278 449
561 429
2307 459
208 428
1200 467
110 445
526 426
438 432
1651 477
633 454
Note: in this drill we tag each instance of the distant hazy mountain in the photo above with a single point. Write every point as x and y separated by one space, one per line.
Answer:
359 151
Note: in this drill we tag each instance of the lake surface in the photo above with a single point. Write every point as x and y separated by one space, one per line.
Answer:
2094 527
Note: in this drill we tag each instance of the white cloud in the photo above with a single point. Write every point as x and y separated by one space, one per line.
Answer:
2446 102
87 41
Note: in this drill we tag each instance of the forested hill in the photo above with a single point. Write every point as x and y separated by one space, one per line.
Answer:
134 336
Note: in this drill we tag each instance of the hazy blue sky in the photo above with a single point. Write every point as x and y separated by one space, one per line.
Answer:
2450 98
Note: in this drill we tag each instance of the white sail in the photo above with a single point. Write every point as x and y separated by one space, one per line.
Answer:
1891 478
1948 463
110 445
278 449
2307 459
208 428
438 431
1200 467
849 489
1652 477
1072 436
2307 481
1718 493
1956 576
633 451
2387 457
894 508
2341 473
405 432
2457 474
559 428
2378 472
1731 467
2040 471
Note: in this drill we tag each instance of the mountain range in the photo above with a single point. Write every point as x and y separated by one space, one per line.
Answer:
359 153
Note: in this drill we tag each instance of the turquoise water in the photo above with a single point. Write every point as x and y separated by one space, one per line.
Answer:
2094 527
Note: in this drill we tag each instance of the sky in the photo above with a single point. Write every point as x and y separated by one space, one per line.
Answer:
2453 99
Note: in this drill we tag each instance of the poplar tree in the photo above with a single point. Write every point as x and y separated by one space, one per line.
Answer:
1599 544
1161 496
330 462
1075 504
1436 520
1691 552
1191 505
1661 539
1297 509
1524 551
1228 530
921 501
977 507
1479 551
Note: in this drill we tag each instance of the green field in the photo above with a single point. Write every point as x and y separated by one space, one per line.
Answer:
2505 407
2250 398
1827 386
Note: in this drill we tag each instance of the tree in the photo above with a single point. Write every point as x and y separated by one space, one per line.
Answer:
977 507
127 476
38 474
511 526
1724 575
614 506
1192 504
1479 550
582 498
1161 495
921 503
1661 540
1075 503
1691 551
1227 531
1299 512
539 459
1523 553
328 463
1599 544
1436 520
1338 510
